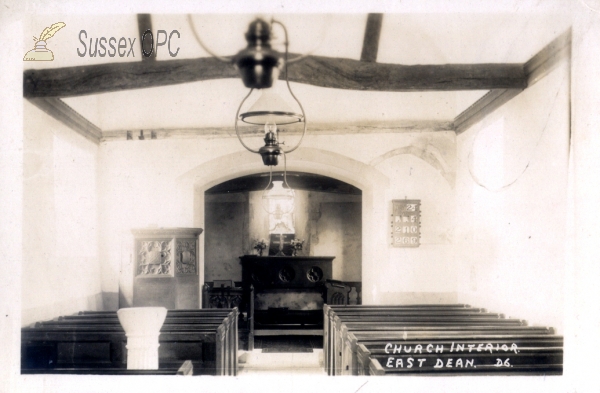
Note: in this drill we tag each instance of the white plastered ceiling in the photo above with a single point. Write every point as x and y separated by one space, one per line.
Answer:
405 39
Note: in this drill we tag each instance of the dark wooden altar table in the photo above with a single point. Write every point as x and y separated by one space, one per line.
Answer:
287 294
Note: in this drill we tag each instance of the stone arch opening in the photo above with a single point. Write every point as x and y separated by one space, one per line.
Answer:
326 218
373 184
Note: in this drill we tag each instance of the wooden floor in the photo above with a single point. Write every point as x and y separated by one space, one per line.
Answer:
257 362
283 355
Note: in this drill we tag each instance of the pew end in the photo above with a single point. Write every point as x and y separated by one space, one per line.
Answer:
187 368
362 357
375 368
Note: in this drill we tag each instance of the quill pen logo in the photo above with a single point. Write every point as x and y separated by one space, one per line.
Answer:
40 52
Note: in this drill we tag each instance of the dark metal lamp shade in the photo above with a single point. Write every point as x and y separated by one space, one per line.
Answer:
258 64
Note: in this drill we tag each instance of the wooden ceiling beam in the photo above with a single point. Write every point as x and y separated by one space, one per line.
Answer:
337 73
103 78
340 128
536 69
145 24
366 76
62 112
371 40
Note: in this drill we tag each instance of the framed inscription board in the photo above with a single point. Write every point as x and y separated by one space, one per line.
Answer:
406 223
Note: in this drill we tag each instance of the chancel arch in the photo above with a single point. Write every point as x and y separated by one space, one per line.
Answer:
373 184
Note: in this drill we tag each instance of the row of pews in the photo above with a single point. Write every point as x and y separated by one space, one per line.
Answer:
93 342
435 340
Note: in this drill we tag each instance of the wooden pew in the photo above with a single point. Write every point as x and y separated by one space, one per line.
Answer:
424 331
172 325
348 329
186 369
170 313
90 348
539 362
329 310
435 319
502 346
414 315
49 348
335 318
339 335
181 313
115 322
212 345
220 314
185 316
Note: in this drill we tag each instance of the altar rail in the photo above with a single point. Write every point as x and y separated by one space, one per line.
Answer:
96 340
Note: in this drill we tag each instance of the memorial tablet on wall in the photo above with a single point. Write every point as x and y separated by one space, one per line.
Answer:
406 223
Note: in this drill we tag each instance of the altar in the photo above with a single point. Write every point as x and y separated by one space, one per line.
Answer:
286 294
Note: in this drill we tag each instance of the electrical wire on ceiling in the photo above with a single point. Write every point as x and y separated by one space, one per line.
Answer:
287 60
533 151
586 4
228 59
193 27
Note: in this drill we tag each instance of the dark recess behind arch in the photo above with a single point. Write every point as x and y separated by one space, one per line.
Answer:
296 180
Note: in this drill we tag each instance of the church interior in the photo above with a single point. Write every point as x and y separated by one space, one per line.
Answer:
436 167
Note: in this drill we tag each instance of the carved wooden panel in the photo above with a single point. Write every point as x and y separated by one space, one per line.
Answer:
285 272
314 274
353 296
185 256
226 297
224 300
155 258
166 268
337 293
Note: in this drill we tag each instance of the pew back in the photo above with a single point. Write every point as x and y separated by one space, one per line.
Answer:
461 348
372 328
90 341
419 309
375 368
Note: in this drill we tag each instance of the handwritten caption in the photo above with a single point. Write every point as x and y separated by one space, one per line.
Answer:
407 355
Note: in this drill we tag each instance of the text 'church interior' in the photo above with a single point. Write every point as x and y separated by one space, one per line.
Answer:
380 195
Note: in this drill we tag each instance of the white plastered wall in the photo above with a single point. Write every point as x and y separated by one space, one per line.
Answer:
61 268
162 182
512 204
